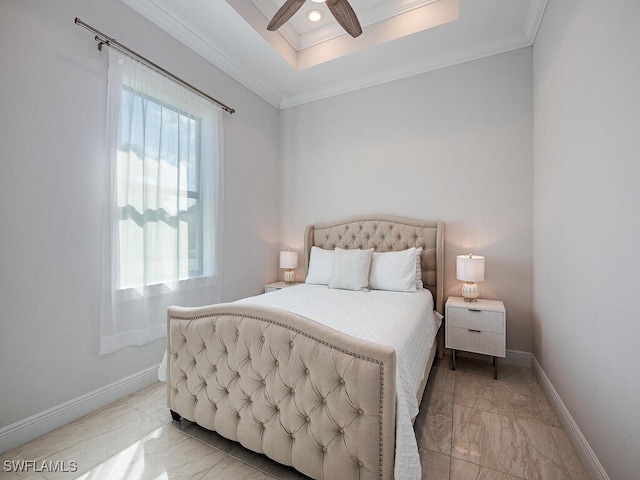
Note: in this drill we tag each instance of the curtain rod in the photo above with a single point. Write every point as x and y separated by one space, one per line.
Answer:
103 39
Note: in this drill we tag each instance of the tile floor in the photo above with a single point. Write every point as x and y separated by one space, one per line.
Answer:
470 427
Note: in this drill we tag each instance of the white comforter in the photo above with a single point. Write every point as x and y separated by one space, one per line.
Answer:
405 321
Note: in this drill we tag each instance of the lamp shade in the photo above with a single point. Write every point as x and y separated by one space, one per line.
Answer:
470 268
288 259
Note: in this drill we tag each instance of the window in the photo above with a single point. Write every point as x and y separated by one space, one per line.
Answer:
162 240
160 224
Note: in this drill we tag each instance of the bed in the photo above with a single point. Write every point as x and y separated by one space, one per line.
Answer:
265 373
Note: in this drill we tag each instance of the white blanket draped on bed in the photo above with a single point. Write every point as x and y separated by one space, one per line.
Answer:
405 321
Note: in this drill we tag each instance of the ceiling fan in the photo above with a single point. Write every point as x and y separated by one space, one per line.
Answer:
340 9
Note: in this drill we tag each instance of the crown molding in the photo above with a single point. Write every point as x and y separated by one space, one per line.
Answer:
534 18
481 51
195 41
215 55
367 18
332 30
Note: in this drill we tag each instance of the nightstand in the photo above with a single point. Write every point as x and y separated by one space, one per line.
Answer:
272 287
478 327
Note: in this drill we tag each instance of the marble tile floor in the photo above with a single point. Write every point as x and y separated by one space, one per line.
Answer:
469 427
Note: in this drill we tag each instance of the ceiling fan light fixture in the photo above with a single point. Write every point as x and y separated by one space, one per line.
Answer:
340 9
314 15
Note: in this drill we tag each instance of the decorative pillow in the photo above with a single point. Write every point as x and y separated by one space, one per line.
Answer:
351 269
419 284
394 271
320 266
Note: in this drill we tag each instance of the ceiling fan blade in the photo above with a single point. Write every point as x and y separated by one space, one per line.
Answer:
345 16
286 11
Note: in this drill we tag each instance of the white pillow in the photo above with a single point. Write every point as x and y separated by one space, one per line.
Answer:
351 269
419 284
394 271
320 266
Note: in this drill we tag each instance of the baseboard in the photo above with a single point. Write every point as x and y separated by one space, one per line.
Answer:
518 358
23 431
580 443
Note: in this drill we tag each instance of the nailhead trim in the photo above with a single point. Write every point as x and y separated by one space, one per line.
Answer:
323 342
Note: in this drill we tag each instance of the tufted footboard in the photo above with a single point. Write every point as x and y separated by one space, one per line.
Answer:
283 385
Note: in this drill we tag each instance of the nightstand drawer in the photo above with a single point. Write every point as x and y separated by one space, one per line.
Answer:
473 340
470 318
478 327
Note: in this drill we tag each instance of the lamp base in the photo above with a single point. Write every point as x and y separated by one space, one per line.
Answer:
470 292
289 276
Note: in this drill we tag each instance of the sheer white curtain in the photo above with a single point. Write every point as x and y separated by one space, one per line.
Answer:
163 229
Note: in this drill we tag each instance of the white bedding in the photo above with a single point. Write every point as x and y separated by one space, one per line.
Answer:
405 321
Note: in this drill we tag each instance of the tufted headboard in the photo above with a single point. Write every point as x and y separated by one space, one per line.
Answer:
384 234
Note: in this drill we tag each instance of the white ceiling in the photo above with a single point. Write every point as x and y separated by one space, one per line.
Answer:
300 33
304 62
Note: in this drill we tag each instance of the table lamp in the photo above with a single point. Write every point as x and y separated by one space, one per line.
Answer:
470 269
289 260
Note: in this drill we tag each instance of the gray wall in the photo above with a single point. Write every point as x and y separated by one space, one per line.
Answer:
586 222
52 167
452 145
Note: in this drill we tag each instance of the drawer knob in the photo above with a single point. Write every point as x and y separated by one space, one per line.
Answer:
474 310
474 331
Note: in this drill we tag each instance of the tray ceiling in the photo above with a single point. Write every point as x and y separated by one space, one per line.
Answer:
306 61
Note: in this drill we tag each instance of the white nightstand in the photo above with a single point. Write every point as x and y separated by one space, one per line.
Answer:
272 287
478 327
